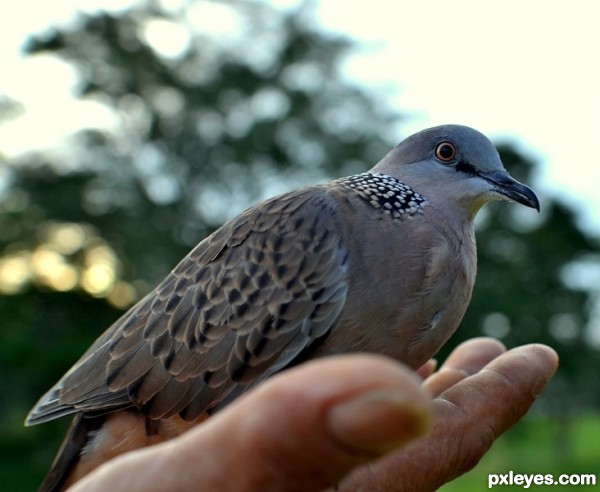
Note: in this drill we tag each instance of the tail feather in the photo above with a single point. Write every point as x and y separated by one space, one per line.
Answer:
59 476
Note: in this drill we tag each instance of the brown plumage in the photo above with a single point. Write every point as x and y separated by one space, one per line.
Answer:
382 261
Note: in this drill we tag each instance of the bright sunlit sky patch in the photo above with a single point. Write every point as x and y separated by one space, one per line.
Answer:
523 71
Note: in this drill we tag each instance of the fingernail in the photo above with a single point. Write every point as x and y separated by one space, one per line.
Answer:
547 359
379 421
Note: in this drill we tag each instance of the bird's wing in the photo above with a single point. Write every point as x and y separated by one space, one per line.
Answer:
241 306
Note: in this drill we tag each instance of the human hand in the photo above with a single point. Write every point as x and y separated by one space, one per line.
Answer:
480 391
341 420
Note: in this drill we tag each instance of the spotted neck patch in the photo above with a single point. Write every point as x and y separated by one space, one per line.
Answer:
386 193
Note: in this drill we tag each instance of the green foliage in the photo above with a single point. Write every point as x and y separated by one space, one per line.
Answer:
533 448
43 333
202 134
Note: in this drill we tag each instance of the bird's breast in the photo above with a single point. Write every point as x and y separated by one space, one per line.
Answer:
416 279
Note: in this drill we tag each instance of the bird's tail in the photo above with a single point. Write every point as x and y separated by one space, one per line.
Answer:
60 475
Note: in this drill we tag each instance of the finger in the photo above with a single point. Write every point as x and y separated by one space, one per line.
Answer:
494 399
467 419
427 369
466 359
302 430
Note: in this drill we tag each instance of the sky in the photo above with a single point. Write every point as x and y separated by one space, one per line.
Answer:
526 72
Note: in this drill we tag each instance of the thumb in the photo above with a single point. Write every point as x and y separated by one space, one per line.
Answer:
301 430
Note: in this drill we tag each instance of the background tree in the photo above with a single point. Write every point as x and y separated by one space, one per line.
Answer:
211 120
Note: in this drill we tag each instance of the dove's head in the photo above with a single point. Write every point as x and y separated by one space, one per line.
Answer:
453 165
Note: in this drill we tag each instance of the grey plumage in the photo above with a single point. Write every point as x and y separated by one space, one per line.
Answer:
383 261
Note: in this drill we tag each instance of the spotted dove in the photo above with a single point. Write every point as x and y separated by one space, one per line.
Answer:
382 261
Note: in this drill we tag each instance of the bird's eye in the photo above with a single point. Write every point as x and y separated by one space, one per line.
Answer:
445 151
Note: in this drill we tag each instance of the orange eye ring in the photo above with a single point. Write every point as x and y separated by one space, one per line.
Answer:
445 151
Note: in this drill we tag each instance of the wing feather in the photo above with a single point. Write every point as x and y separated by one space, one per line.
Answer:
241 306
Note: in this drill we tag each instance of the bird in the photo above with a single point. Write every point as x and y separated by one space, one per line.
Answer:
382 261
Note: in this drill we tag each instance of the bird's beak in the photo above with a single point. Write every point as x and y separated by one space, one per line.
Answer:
512 189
